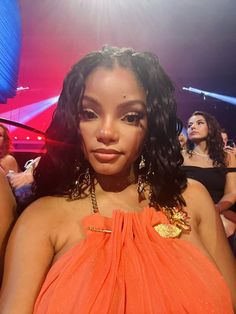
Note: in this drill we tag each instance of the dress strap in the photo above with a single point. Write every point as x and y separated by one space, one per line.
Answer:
230 170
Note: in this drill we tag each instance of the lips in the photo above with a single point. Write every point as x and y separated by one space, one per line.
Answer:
106 155
193 133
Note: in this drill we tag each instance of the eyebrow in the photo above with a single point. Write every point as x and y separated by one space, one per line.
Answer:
121 105
200 119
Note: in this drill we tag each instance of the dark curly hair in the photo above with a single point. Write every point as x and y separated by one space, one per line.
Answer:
214 141
64 161
7 144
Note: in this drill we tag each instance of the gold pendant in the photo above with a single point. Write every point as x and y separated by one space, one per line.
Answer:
177 217
168 230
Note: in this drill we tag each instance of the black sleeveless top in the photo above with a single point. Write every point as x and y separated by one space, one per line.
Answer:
212 178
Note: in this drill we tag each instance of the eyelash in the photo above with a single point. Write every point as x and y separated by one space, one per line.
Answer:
137 116
89 115
197 123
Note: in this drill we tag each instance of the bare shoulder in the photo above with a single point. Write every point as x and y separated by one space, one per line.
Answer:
10 158
42 212
201 208
210 231
194 186
39 220
29 255
37 227
198 201
195 193
52 217
9 163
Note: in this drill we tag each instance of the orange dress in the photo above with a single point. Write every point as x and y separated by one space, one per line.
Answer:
132 269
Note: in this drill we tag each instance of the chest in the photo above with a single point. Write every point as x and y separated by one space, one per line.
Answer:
69 229
198 161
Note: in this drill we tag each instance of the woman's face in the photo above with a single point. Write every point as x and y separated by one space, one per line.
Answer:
197 128
113 120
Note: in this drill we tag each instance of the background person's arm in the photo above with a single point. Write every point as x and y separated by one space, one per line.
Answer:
17 180
229 197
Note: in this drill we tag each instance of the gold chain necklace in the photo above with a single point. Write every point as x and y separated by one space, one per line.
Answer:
177 219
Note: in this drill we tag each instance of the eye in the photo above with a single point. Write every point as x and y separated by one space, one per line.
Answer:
87 115
132 117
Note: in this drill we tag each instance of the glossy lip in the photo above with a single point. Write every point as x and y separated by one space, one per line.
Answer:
106 151
106 155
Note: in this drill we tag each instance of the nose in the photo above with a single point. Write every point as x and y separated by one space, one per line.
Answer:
107 132
192 126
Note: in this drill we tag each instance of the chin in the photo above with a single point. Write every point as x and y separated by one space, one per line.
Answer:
196 138
108 169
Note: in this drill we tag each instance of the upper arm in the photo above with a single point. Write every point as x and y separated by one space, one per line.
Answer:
211 233
230 185
28 258
7 214
7 207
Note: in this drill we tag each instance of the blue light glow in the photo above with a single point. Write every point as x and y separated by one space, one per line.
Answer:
228 99
10 44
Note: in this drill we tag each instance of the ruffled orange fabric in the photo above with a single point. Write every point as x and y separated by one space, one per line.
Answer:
132 270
